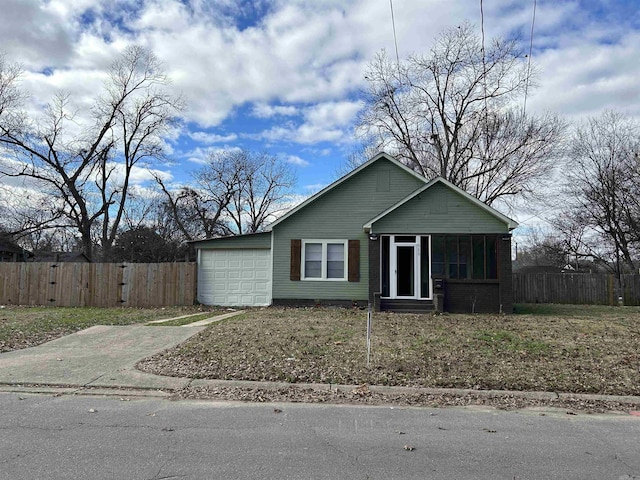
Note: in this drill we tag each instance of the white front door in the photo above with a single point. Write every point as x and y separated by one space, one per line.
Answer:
409 271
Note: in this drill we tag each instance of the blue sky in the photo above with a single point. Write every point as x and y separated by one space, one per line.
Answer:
285 76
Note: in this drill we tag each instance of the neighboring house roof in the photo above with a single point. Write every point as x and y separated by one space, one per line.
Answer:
8 246
503 218
342 180
67 257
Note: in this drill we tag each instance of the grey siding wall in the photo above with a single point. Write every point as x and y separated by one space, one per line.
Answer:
254 240
339 214
439 210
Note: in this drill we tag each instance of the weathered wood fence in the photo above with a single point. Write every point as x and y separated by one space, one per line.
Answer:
98 284
575 288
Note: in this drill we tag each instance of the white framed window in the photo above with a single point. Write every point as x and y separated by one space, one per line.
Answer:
324 260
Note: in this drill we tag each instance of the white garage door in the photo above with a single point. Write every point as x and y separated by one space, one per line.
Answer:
234 277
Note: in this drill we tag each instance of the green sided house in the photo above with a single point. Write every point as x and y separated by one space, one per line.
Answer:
381 235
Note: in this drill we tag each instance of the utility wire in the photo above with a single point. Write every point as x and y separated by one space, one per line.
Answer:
526 86
484 77
395 39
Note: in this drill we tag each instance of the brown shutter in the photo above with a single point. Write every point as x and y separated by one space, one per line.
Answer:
296 254
354 261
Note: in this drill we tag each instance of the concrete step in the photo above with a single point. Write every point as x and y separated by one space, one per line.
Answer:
407 306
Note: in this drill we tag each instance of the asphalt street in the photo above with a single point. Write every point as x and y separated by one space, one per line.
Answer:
92 437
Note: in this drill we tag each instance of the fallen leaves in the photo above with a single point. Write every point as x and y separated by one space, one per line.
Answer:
318 345
294 393
361 390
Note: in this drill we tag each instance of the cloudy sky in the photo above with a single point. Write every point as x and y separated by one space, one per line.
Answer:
285 75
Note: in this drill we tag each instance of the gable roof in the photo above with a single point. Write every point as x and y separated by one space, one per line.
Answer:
9 246
54 257
503 218
343 179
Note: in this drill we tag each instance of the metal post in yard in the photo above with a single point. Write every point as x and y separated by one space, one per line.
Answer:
368 335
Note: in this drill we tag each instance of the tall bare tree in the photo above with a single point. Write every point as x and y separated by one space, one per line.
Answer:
235 192
451 113
603 187
83 164
265 180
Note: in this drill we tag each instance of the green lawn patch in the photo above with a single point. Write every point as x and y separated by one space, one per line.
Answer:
595 351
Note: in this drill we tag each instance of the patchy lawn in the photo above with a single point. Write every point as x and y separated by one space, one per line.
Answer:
22 327
545 348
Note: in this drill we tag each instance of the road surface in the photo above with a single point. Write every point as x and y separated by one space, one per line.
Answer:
85 437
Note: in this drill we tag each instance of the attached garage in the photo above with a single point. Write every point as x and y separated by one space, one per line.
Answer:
235 271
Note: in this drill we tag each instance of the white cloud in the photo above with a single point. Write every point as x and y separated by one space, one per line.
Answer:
587 78
324 122
298 65
211 138
200 156
295 160
263 110
315 187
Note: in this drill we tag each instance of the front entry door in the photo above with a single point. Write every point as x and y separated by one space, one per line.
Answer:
404 267
406 271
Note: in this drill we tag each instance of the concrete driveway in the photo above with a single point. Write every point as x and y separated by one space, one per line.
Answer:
100 356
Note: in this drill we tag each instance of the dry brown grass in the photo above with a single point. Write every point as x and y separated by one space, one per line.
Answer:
550 348
22 327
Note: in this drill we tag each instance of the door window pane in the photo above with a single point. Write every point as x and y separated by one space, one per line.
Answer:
405 239
405 271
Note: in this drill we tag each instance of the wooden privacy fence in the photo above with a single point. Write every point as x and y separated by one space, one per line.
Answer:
98 284
575 288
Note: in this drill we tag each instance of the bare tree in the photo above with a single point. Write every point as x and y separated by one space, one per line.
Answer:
264 182
85 164
199 210
360 153
451 113
603 187
235 192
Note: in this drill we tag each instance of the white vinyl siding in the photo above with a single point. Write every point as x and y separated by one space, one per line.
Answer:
324 259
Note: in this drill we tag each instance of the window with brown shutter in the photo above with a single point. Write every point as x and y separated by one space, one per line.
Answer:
296 249
354 261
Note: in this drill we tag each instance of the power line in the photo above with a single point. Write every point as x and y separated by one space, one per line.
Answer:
395 39
526 86
484 78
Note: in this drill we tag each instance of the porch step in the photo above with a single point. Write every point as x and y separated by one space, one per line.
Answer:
406 306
